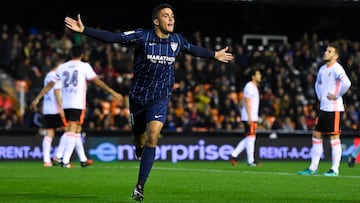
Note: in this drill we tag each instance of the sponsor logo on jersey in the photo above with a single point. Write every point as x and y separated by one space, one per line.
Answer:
161 59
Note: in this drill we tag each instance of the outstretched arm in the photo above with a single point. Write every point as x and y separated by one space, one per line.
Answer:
102 35
221 55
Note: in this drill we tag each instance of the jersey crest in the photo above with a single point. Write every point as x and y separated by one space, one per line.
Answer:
174 45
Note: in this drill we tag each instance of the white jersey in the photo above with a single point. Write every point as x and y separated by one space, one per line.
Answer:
333 80
50 105
251 92
74 75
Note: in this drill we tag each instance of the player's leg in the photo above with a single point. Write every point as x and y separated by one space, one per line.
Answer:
57 159
80 150
336 152
155 119
73 117
60 123
139 142
147 158
353 155
250 144
333 130
46 146
238 149
50 123
70 144
316 152
138 126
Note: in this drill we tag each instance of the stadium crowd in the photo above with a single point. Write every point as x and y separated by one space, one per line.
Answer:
207 95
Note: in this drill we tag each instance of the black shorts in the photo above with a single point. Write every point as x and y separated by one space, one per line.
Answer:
52 121
329 122
250 129
75 115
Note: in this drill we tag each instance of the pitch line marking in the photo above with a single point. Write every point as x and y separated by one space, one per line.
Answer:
247 172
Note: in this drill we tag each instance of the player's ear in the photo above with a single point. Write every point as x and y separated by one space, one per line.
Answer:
156 22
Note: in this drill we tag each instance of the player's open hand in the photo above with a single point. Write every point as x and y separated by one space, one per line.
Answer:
75 25
224 56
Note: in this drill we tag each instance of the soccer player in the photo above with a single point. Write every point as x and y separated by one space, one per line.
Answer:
249 116
152 84
74 75
352 157
331 84
53 116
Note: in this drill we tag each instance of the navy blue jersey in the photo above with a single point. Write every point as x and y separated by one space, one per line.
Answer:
154 59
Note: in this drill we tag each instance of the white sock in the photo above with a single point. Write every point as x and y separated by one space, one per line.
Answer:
250 148
61 147
336 154
69 148
239 148
316 152
80 148
46 145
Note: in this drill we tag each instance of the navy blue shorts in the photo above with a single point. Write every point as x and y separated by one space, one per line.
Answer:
141 115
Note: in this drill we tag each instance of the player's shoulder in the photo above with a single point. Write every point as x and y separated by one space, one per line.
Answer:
177 35
138 34
322 67
337 67
51 73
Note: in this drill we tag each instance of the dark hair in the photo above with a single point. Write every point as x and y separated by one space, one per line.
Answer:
77 51
253 71
336 47
159 7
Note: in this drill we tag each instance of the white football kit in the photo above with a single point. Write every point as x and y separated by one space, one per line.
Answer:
74 75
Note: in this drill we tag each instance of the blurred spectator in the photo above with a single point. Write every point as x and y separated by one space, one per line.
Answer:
6 103
3 118
301 123
5 52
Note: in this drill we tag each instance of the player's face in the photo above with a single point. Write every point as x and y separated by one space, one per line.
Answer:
166 20
330 54
257 76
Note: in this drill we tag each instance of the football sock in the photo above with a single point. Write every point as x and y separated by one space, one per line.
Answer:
250 147
146 163
239 148
61 147
316 152
46 144
80 148
336 154
70 145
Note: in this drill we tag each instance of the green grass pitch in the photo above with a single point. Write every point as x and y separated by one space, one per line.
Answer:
183 182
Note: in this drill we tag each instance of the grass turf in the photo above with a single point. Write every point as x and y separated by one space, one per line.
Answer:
181 182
